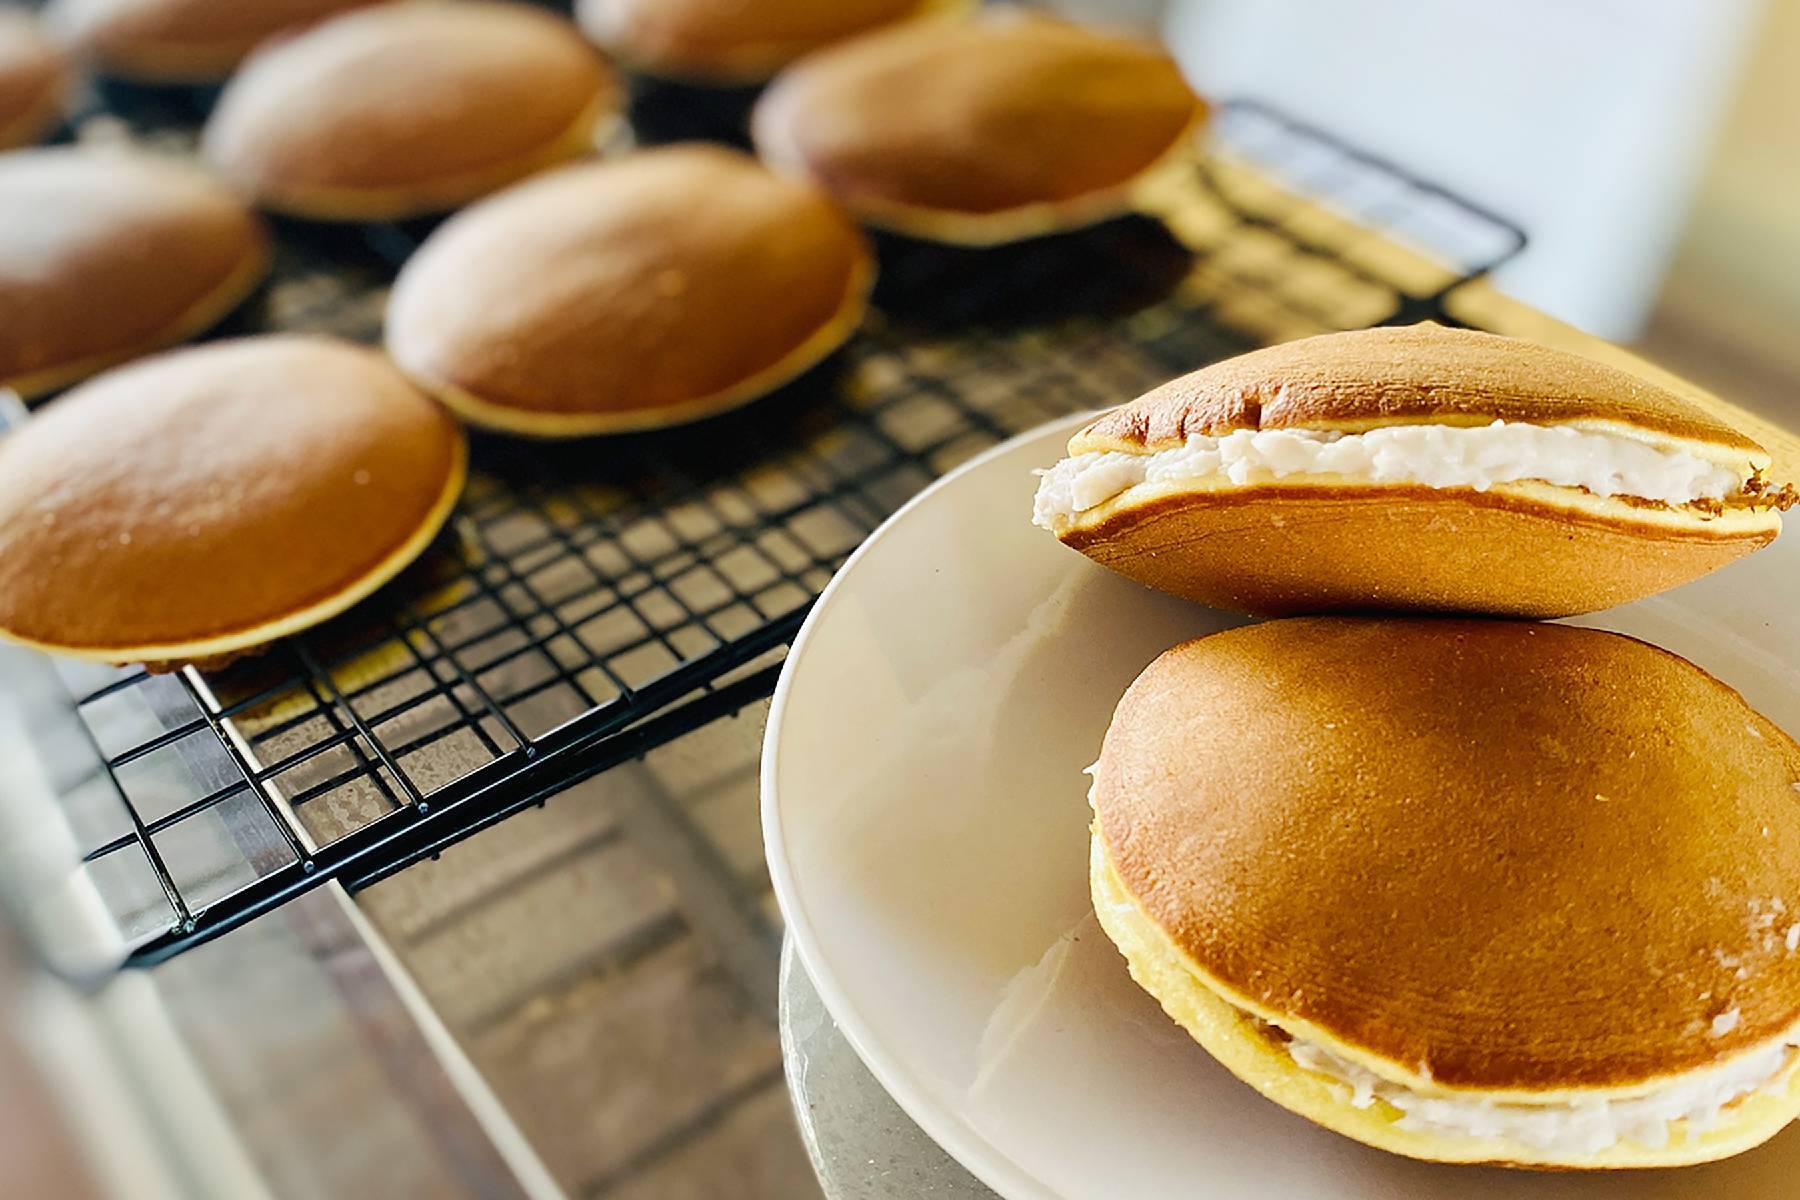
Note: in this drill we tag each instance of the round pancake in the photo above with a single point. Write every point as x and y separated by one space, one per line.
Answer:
727 41
404 109
211 500
179 41
1517 862
1011 126
662 288
107 256
1324 543
33 78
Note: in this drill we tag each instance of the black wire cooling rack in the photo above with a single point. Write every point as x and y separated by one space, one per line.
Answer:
591 601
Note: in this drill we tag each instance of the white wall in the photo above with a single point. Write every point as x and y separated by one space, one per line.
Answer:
1736 276
1587 122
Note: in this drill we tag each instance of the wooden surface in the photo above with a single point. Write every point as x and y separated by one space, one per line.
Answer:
326 1075
37 1155
608 962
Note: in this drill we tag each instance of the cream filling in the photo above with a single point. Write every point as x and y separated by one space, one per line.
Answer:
1439 456
1690 1105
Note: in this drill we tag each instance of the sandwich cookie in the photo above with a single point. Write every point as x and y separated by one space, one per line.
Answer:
33 79
178 41
1423 468
665 287
206 502
404 109
728 42
106 256
993 130
1468 891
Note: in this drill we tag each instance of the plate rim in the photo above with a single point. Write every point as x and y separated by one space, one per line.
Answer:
963 1143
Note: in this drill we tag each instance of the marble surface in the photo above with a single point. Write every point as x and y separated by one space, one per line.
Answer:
862 1146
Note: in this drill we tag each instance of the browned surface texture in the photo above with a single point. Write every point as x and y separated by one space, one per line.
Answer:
1382 376
977 117
617 289
729 39
281 470
1278 550
107 255
408 107
32 78
180 39
1509 855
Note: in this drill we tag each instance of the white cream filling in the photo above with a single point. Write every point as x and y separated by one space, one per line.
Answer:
1699 1102
1439 456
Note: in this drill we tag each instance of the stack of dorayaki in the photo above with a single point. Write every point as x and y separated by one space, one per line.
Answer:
197 506
1458 885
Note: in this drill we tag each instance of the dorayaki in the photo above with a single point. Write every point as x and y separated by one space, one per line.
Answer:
1469 891
1420 468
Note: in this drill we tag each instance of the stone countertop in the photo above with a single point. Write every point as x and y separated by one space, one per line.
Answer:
862 1145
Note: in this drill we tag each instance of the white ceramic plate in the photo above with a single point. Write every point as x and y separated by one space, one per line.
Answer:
926 823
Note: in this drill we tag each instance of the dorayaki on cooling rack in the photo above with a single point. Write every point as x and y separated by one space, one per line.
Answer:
105 255
722 43
399 110
178 41
664 287
993 129
201 504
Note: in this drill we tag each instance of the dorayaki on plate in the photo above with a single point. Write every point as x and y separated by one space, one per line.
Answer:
104 256
995 129
33 79
729 42
399 110
208 501
649 291
1464 890
1419 468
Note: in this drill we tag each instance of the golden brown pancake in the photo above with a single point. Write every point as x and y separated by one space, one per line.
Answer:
105 256
33 78
1473 891
985 131
179 41
662 288
1424 469
211 500
405 109
728 41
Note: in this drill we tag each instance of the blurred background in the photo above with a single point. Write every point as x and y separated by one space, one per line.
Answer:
455 1032
1651 148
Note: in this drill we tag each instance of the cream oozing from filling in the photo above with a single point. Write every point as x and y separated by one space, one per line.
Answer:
1688 1106
1439 456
